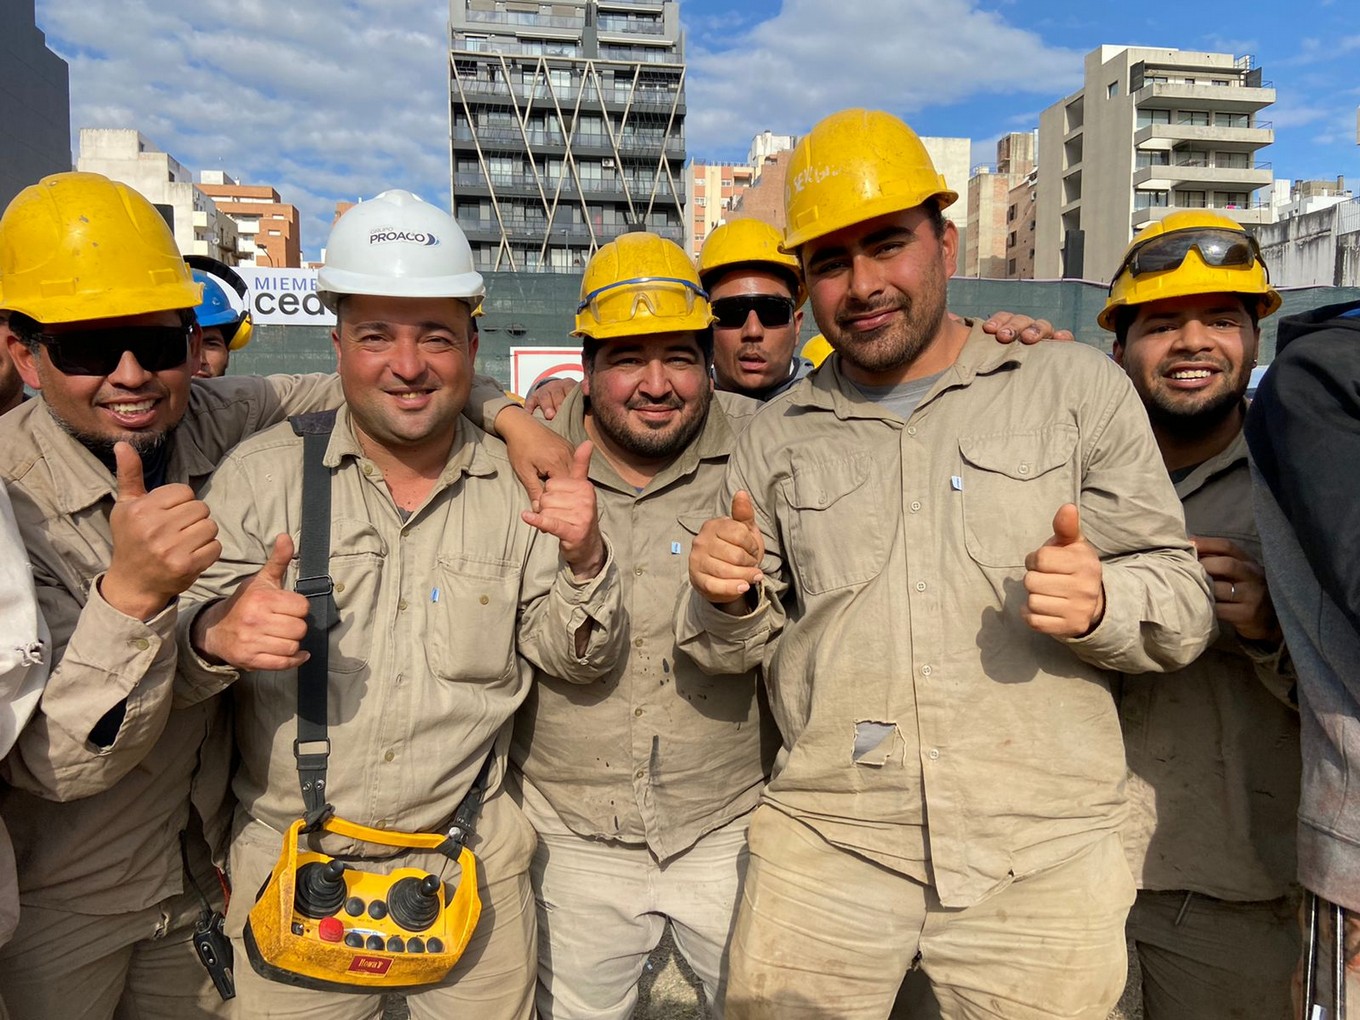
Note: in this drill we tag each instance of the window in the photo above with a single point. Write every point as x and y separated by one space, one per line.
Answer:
1232 160
1149 199
700 202
1146 117
1112 90
1010 239
1190 199
1195 118
1151 157
1230 200
1236 120
1010 214
1010 267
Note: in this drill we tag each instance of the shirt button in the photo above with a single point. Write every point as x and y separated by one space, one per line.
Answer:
1024 469
637 570
637 642
926 670
339 585
911 430
637 711
484 599
639 773
389 756
933 754
920 586
368 469
402 605
915 506
142 643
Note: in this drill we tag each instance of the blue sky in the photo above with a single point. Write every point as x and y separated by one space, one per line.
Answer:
339 99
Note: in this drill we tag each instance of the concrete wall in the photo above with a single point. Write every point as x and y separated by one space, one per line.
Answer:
1319 248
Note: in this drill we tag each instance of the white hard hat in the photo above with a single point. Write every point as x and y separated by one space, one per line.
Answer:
396 245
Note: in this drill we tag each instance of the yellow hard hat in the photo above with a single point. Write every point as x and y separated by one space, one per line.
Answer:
78 246
748 242
638 284
1192 252
817 350
853 166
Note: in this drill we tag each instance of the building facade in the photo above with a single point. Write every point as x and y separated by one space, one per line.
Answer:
566 127
1150 132
267 228
992 222
126 155
713 190
35 103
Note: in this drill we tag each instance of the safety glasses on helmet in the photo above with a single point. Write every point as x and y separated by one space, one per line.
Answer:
1219 248
98 351
771 309
664 297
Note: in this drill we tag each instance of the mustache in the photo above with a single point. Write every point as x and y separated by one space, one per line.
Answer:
855 309
671 403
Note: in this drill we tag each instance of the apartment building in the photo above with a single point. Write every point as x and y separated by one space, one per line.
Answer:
992 221
566 127
35 103
1151 131
267 228
714 188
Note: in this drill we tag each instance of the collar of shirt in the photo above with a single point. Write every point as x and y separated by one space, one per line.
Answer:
466 456
1230 456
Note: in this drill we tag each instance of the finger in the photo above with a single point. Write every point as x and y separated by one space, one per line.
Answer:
727 569
276 663
736 542
1036 331
1066 525
1065 335
580 462
743 510
276 567
1054 606
716 589
131 484
1225 568
1208 545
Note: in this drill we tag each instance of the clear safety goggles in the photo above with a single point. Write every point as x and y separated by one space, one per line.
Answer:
1222 249
663 297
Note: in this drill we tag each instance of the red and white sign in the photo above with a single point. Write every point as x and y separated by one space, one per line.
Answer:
530 364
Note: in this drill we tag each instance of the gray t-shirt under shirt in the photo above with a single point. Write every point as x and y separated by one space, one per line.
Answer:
901 399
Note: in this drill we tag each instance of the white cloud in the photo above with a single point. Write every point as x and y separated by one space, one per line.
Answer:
813 58
323 101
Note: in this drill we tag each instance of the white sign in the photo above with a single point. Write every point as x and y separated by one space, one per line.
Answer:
284 297
530 364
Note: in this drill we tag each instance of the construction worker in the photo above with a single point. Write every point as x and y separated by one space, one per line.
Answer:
110 790
1213 749
936 546
224 328
643 823
1302 431
446 602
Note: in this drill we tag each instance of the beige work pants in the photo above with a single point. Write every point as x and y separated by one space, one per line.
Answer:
137 966
494 978
823 932
603 907
1222 961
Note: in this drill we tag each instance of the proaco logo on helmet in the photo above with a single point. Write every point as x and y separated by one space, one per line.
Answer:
383 235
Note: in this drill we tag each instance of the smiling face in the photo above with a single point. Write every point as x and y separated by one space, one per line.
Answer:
878 291
1190 358
406 367
128 404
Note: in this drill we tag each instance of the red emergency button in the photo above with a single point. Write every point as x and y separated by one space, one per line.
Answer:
330 929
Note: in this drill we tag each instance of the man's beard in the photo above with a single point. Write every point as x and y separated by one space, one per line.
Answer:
1188 422
102 446
897 344
652 444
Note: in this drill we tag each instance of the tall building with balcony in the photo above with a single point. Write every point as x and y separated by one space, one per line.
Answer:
566 127
1150 132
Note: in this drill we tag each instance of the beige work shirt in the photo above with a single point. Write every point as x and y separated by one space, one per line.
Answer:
442 618
925 726
96 829
656 751
1213 750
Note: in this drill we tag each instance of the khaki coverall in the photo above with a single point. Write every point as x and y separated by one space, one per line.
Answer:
951 782
639 783
1214 793
442 617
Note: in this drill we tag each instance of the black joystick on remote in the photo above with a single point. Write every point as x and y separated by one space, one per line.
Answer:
320 890
413 903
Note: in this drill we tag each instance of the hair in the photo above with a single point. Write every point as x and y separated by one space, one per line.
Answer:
1125 314
591 347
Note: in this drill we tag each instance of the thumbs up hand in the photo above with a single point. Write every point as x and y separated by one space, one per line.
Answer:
1063 579
262 624
162 541
724 561
567 510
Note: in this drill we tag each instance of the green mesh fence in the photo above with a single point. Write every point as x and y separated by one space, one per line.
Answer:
536 309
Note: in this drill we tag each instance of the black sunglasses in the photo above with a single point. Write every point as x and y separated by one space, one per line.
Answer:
770 309
98 351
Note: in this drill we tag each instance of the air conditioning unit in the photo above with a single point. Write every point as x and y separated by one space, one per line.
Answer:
608 164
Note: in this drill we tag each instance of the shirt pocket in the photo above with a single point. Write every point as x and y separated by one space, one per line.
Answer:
358 557
1012 485
839 532
470 625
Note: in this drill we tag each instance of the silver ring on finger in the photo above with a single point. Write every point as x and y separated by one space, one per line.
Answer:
1232 592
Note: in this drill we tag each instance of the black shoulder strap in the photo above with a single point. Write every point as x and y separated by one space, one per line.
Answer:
313 745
